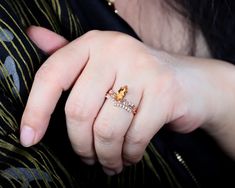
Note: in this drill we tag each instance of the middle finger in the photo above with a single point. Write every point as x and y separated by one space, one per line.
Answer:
110 128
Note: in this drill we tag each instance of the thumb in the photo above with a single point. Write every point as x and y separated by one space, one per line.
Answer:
48 41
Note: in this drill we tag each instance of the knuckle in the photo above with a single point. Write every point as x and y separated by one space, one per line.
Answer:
45 73
133 158
120 40
103 131
135 146
77 111
136 140
116 41
91 34
82 151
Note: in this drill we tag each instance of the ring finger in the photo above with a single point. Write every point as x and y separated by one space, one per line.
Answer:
110 128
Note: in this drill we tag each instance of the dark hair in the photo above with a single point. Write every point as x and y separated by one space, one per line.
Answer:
216 19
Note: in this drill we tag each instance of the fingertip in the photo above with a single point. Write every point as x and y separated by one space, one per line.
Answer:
27 136
34 32
88 161
109 172
112 172
127 163
31 29
45 39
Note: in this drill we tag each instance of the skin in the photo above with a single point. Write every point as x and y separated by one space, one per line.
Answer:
181 90
168 31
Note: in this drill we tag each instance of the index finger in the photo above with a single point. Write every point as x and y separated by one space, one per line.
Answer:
56 75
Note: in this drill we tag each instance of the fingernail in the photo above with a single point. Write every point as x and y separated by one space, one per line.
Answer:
126 163
27 136
88 161
109 172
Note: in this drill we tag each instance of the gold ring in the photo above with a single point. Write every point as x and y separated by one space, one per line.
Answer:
119 100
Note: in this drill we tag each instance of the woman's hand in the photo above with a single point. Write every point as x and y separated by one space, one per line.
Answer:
164 88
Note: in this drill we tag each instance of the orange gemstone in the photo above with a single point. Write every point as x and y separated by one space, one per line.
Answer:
121 93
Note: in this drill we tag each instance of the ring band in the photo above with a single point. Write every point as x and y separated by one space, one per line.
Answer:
118 99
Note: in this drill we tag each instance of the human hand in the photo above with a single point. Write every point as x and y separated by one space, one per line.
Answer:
165 89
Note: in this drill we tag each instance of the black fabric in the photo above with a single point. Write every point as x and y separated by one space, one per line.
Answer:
99 16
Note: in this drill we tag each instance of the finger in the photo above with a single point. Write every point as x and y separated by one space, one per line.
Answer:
45 39
143 129
109 130
83 105
57 74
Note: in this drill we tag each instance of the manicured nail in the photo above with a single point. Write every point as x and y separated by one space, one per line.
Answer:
88 161
126 163
109 172
27 136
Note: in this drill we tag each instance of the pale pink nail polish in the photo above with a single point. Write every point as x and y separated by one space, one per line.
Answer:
27 136
88 161
109 172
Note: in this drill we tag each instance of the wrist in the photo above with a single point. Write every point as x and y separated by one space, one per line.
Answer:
222 98
209 99
221 124
210 91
